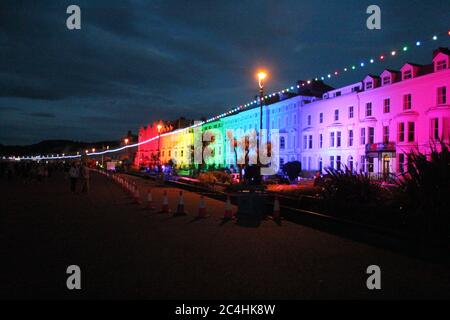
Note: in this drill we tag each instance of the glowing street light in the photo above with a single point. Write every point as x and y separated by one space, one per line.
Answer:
126 140
262 75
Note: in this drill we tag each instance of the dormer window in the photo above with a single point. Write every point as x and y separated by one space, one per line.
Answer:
407 74
386 80
369 85
441 65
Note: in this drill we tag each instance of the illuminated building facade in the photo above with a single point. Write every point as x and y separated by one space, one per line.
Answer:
368 126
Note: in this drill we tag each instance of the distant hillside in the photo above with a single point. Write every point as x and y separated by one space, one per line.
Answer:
54 147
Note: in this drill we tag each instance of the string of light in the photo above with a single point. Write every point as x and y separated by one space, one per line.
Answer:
336 73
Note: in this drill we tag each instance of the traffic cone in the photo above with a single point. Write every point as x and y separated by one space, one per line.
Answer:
150 200
165 204
137 195
180 208
276 209
228 210
202 208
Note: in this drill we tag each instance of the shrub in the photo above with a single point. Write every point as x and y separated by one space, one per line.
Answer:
292 169
426 191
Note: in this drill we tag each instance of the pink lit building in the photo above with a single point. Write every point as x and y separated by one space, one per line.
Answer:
373 125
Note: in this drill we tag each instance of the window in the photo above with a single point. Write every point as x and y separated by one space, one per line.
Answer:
332 162
401 132
182 153
407 102
350 112
435 129
310 142
442 95
320 164
386 80
320 141
336 115
338 162
305 142
441 65
363 135
370 166
371 135
387 106
350 138
321 117
170 153
362 165
401 163
281 163
338 139
332 139
369 85
350 163
411 131
282 143
369 109
386 134
309 120
407 75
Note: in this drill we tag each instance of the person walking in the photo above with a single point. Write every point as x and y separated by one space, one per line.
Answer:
74 173
86 179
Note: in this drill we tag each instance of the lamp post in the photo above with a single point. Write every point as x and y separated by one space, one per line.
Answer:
159 147
262 75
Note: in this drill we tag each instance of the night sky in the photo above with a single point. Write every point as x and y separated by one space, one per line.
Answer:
137 61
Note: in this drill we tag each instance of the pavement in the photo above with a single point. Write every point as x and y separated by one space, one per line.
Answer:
127 252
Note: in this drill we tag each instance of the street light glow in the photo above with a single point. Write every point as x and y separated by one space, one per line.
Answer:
262 75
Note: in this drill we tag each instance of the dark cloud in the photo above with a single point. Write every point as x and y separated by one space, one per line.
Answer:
42 115
136 61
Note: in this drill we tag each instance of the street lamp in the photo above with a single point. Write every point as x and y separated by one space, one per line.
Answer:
159 146
262 75
126 140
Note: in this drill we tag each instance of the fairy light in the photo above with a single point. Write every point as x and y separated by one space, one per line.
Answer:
232 111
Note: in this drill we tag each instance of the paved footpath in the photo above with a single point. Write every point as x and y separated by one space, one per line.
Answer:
125 252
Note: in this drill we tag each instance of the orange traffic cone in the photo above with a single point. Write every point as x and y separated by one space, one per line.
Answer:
150 200
228 210
202 208
165 204
276 209
137 195
180 208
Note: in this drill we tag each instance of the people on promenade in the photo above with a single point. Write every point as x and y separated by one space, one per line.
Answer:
74 174
86 179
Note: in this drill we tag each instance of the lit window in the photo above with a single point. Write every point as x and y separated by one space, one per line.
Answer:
387 106
371 135
386 134
441 65
282 143
442 95
411 131
363 135
350 138
435 129
401 132
407 75
369 109
407 102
